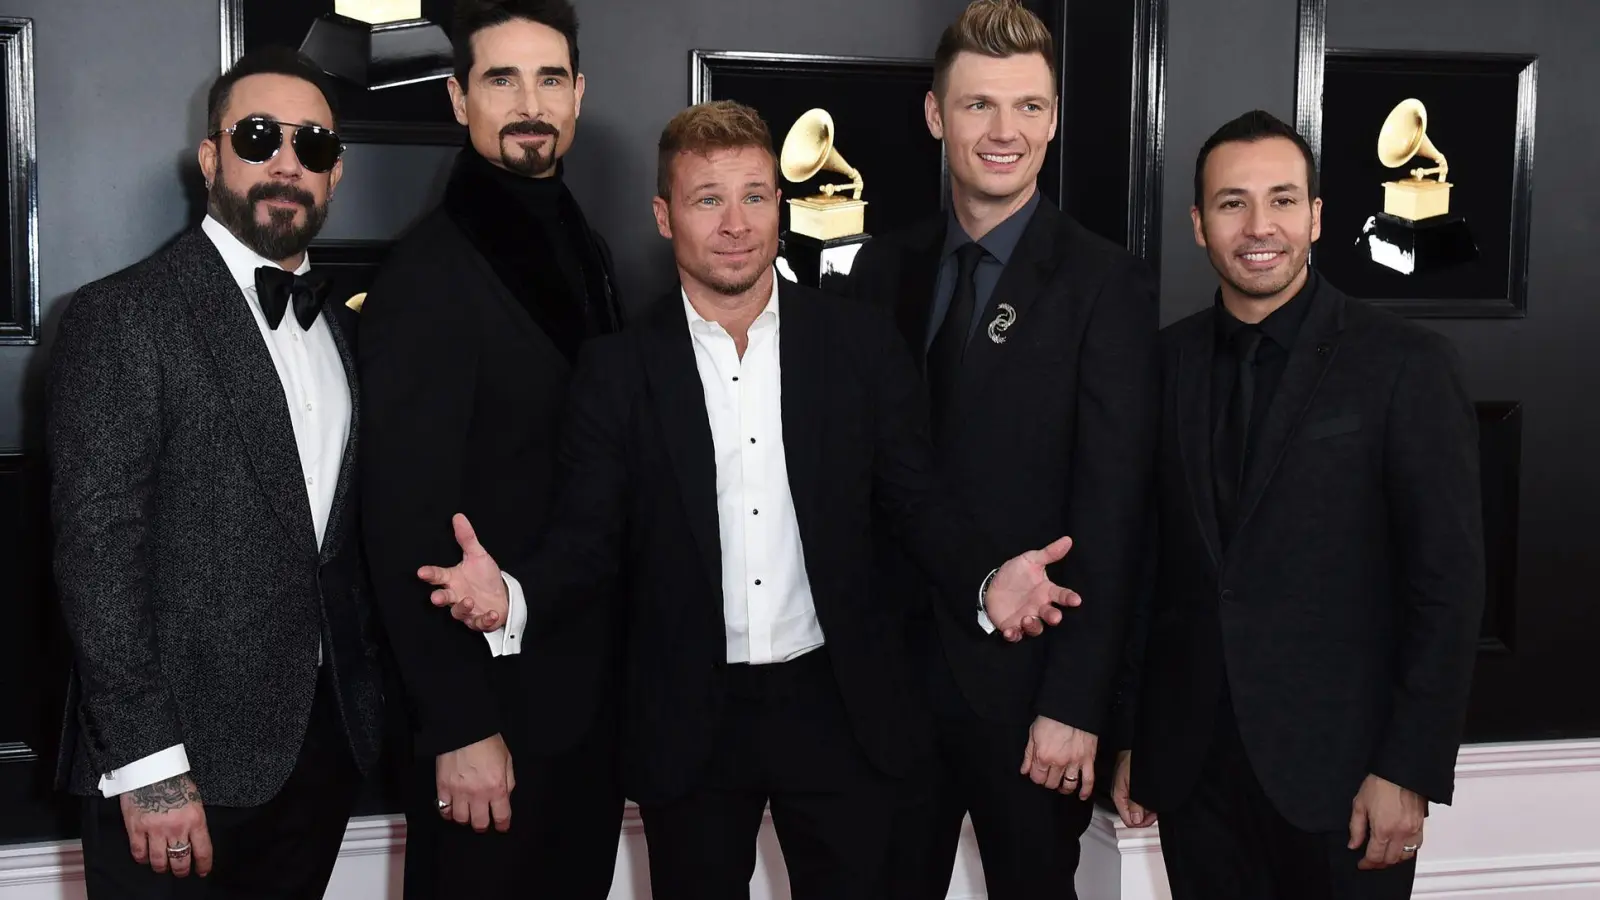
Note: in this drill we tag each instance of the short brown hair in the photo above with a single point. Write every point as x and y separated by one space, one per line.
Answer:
701 129
996 28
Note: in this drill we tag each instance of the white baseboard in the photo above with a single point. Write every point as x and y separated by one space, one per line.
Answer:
1526 823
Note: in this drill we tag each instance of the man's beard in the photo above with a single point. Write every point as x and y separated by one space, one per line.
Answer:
529 162
279 238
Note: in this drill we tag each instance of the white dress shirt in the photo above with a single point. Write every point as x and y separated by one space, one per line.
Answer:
318 398
767 608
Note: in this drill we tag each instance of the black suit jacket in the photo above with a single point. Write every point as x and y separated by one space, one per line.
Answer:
186 557
1053 433
1345 613
639 502
466 363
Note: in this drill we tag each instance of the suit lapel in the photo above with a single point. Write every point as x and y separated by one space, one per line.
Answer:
248 378
803 369
681 400
1314 350
1193 385
1020 286
334 534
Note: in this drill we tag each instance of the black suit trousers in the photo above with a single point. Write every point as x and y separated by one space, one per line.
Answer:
284 849
783 741
1027 835
566 819
1228 840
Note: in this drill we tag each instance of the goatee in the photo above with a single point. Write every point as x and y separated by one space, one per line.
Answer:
529 162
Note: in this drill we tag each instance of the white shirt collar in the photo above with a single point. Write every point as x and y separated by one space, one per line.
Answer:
769 314
242 262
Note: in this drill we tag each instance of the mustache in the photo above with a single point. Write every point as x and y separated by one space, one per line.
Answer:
530 126
277 190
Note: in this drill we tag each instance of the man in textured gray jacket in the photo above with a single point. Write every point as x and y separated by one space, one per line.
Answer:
201 422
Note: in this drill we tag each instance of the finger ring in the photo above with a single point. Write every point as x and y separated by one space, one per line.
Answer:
178 850
1411 848
444 805
1069 778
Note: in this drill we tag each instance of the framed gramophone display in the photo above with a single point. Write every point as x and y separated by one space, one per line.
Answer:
857 158
389 59
1426 166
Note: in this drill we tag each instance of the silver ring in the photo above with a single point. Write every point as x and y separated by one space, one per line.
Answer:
444 805
1069 778
177 850
1411 848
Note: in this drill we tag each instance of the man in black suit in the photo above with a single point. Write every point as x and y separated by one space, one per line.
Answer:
201 435
1038 342
470 332
727 460
1310 643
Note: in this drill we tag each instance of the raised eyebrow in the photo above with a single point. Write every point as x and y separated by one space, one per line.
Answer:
554 71
501 72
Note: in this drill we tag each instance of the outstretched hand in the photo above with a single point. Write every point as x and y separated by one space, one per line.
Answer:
472 588
1022 599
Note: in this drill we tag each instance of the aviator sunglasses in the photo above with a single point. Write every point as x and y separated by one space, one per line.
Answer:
258 139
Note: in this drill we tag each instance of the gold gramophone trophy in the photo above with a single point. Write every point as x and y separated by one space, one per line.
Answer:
379 44
826 230
1416 231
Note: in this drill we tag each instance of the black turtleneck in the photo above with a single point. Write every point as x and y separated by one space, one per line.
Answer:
542 200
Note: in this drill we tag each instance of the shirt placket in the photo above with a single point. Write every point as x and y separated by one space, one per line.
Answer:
758 558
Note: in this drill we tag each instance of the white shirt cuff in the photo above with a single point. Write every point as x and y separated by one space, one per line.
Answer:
983 614
158 766
507 639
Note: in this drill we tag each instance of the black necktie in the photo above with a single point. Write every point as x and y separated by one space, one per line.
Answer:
275 287
950 342
1231 440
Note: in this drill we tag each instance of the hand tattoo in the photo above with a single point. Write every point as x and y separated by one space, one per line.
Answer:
165 796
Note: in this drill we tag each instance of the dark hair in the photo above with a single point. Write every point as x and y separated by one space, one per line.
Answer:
271 60
1255 125
994 28
473 16
701 129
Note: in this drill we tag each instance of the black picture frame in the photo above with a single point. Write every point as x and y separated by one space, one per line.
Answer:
416 113
1481 113
876 104
1500 477
1111 61
19 307
351 264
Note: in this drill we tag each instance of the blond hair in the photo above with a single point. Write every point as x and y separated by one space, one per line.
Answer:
994 28
701 129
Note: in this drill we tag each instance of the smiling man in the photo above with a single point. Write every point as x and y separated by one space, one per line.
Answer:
1008 305
469 335
1308 654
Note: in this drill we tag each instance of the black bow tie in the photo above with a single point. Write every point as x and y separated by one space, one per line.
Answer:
274 287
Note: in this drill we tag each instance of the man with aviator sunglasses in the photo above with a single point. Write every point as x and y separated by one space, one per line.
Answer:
468 337
201 411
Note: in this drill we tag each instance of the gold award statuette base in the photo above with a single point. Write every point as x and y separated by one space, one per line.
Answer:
826 218
1416 199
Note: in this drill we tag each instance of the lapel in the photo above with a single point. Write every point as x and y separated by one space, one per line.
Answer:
248 379
1193 385
803 379
1020 286
1314 350
333 536
680 402
918 276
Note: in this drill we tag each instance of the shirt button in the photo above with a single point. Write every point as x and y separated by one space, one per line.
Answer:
310 480
755 512
735 378
752 440
308 406
758 582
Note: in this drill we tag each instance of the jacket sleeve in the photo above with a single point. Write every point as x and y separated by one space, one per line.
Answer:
1113 457
103 432
1436 518
418 366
